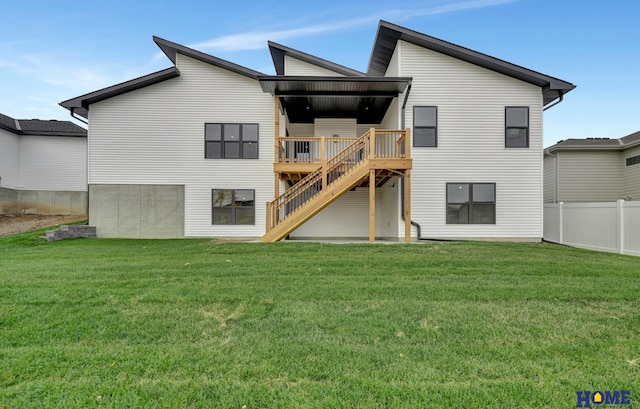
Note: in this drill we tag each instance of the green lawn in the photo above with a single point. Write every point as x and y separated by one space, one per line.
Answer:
196 323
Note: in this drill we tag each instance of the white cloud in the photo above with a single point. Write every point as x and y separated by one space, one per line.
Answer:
253 40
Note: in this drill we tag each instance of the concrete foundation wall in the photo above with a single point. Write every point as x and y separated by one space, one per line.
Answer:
137 211
42 202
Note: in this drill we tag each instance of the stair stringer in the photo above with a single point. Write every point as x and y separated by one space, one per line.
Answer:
305 212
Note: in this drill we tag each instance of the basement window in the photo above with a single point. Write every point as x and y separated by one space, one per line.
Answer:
230 141
471 203
233 206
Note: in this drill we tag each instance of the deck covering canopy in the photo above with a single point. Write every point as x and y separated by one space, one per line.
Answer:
307 97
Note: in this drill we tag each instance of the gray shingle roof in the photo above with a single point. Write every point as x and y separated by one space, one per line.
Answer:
41 127
8 123
597 143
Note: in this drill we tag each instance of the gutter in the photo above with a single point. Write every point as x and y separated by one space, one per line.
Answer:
555 103
74 116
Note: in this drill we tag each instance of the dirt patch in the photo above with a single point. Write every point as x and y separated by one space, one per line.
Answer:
13 224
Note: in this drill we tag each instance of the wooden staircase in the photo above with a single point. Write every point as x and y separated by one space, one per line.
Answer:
336 176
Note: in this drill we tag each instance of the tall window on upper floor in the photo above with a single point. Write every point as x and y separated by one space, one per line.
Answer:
425 126
516 127
471 203
230 206
230 141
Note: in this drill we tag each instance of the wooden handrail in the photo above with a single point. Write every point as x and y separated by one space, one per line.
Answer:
372 144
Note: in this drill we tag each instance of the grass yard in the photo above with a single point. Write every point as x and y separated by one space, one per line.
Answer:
196 323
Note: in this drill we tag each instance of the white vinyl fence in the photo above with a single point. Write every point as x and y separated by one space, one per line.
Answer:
604 226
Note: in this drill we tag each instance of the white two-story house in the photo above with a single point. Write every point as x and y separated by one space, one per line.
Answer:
434 141
43 167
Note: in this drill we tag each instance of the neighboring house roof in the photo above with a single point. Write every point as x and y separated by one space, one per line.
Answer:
41 127
278 52
388 35
596 143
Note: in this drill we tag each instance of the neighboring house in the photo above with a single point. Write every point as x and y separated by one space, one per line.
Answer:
593 170
43 166
434 141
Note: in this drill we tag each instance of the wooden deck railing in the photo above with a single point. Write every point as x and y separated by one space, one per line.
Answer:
374 144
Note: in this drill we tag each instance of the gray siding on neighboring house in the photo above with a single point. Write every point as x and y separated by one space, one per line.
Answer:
631 175
293 66
549 179
155 136
589 176
471 118
55 163
9 159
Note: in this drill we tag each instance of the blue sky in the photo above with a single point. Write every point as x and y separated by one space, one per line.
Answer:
52 50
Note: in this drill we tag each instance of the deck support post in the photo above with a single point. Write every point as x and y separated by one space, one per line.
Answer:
372 205
276 138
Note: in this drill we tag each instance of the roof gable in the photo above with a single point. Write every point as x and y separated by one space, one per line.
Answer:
388 35
80 105
279 51
171 49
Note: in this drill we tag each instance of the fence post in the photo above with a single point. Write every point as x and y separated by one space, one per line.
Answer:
323 160
560 239
620 220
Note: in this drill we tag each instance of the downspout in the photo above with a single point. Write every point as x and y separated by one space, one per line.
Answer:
417 226
73 115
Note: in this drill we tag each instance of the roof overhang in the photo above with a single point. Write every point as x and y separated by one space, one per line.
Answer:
279 51
364 98
80 105
388 35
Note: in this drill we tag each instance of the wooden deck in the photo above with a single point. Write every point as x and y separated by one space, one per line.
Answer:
319 170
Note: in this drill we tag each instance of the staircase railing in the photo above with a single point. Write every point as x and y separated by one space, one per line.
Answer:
374 144
314 183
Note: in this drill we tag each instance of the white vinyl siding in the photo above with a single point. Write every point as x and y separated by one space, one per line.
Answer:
589 176
57 163
293 66
388 209
361 129
154 135
631 175
343 127
9 162
393 69
549 179
471 105
300 129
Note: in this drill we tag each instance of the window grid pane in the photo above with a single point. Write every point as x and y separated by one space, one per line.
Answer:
516 127
425 126
231 207
471 203
231 141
